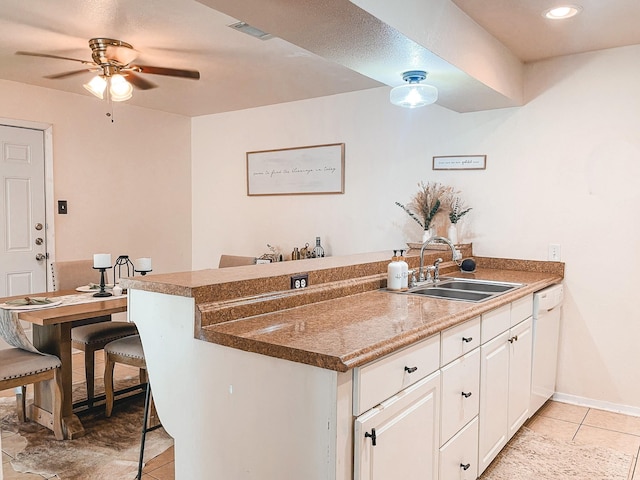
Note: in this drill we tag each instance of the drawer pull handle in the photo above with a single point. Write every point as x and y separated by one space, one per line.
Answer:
410 369
467 339
371 435
465 467
466 395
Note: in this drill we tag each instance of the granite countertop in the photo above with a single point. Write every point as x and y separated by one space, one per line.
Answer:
346 317
347 332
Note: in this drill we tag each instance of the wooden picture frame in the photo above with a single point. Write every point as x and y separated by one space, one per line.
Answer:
316 169
460 162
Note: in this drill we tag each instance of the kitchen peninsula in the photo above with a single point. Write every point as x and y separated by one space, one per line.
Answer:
257 381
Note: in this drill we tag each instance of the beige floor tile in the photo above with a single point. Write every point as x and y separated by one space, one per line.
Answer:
563 411
613 421
622 442
10 474
636 470
5 458
554 428
157 462
165 472
13 444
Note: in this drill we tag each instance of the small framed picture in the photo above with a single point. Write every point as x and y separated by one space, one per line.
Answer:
460 162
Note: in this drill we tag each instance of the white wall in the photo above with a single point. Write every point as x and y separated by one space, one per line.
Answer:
128 183
561 169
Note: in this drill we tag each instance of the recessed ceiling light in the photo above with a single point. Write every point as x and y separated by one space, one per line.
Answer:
562 12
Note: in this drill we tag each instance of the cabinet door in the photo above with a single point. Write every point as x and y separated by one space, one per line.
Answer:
405 430
494 399
520 346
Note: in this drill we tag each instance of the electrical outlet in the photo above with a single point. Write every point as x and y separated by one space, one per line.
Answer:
554 252
300 280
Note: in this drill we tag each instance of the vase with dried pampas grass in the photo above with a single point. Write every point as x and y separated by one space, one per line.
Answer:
426 204
457 209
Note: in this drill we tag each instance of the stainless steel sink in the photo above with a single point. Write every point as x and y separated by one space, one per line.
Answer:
463 289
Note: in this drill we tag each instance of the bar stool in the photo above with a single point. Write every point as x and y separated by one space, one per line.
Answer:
92 334
128 351
19 368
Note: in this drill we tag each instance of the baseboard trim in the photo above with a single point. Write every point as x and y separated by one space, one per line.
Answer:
599 404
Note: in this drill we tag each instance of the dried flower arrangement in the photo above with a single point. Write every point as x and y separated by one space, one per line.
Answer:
426 203
456 207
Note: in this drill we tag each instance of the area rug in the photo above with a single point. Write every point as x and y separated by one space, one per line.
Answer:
531 456
109 449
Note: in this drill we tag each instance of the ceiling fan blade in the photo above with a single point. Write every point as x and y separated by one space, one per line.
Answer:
46 55
139 82
172 72
67 74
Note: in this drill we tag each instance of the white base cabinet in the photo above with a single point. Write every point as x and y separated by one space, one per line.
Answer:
505 381
399 438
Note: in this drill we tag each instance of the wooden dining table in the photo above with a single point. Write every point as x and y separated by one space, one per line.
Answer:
52 334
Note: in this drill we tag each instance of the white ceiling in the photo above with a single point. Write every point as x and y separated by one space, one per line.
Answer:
320 48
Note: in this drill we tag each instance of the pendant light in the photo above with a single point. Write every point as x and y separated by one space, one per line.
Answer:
413 94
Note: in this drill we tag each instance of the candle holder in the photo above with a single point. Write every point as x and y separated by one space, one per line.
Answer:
143 266
121 263
102 292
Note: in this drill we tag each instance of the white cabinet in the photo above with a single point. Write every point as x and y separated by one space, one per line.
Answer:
460 393
400 437
520 354
505 378
379 380
459 456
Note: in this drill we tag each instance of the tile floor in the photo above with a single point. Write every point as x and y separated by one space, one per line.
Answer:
562 421
158 468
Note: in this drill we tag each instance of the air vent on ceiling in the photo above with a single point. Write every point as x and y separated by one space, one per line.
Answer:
249 30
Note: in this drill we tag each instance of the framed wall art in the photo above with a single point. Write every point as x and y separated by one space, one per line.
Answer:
317 169
460 162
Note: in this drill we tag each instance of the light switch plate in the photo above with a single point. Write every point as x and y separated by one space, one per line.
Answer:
554 252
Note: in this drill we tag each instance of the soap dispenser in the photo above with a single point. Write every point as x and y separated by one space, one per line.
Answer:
394 273
405 270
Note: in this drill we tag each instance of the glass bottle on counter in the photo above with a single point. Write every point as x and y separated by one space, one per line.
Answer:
318 251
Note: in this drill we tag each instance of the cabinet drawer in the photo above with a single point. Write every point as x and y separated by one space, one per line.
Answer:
383 378
521 309
459 457
458 340
495 322
460 393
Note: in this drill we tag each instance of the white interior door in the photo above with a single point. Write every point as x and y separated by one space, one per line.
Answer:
23 244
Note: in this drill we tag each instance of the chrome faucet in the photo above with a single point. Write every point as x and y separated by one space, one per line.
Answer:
454 256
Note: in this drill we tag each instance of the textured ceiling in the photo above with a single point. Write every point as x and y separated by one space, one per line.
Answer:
320 47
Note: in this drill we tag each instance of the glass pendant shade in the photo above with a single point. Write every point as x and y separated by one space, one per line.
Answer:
96 86
414 94
119 89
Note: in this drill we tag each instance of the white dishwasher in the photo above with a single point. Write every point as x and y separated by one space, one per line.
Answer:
547 305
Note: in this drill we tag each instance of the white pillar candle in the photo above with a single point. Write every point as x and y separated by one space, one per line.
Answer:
102 260
143 264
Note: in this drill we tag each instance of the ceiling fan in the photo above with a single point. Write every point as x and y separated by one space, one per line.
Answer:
112 63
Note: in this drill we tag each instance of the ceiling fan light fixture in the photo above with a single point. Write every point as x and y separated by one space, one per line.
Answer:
119 89
96 86
413 94
562 11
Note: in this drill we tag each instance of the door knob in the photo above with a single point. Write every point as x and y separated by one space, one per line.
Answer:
40 257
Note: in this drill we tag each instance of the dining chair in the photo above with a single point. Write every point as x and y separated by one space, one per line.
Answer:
235 261
19 368
128 351
89 335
